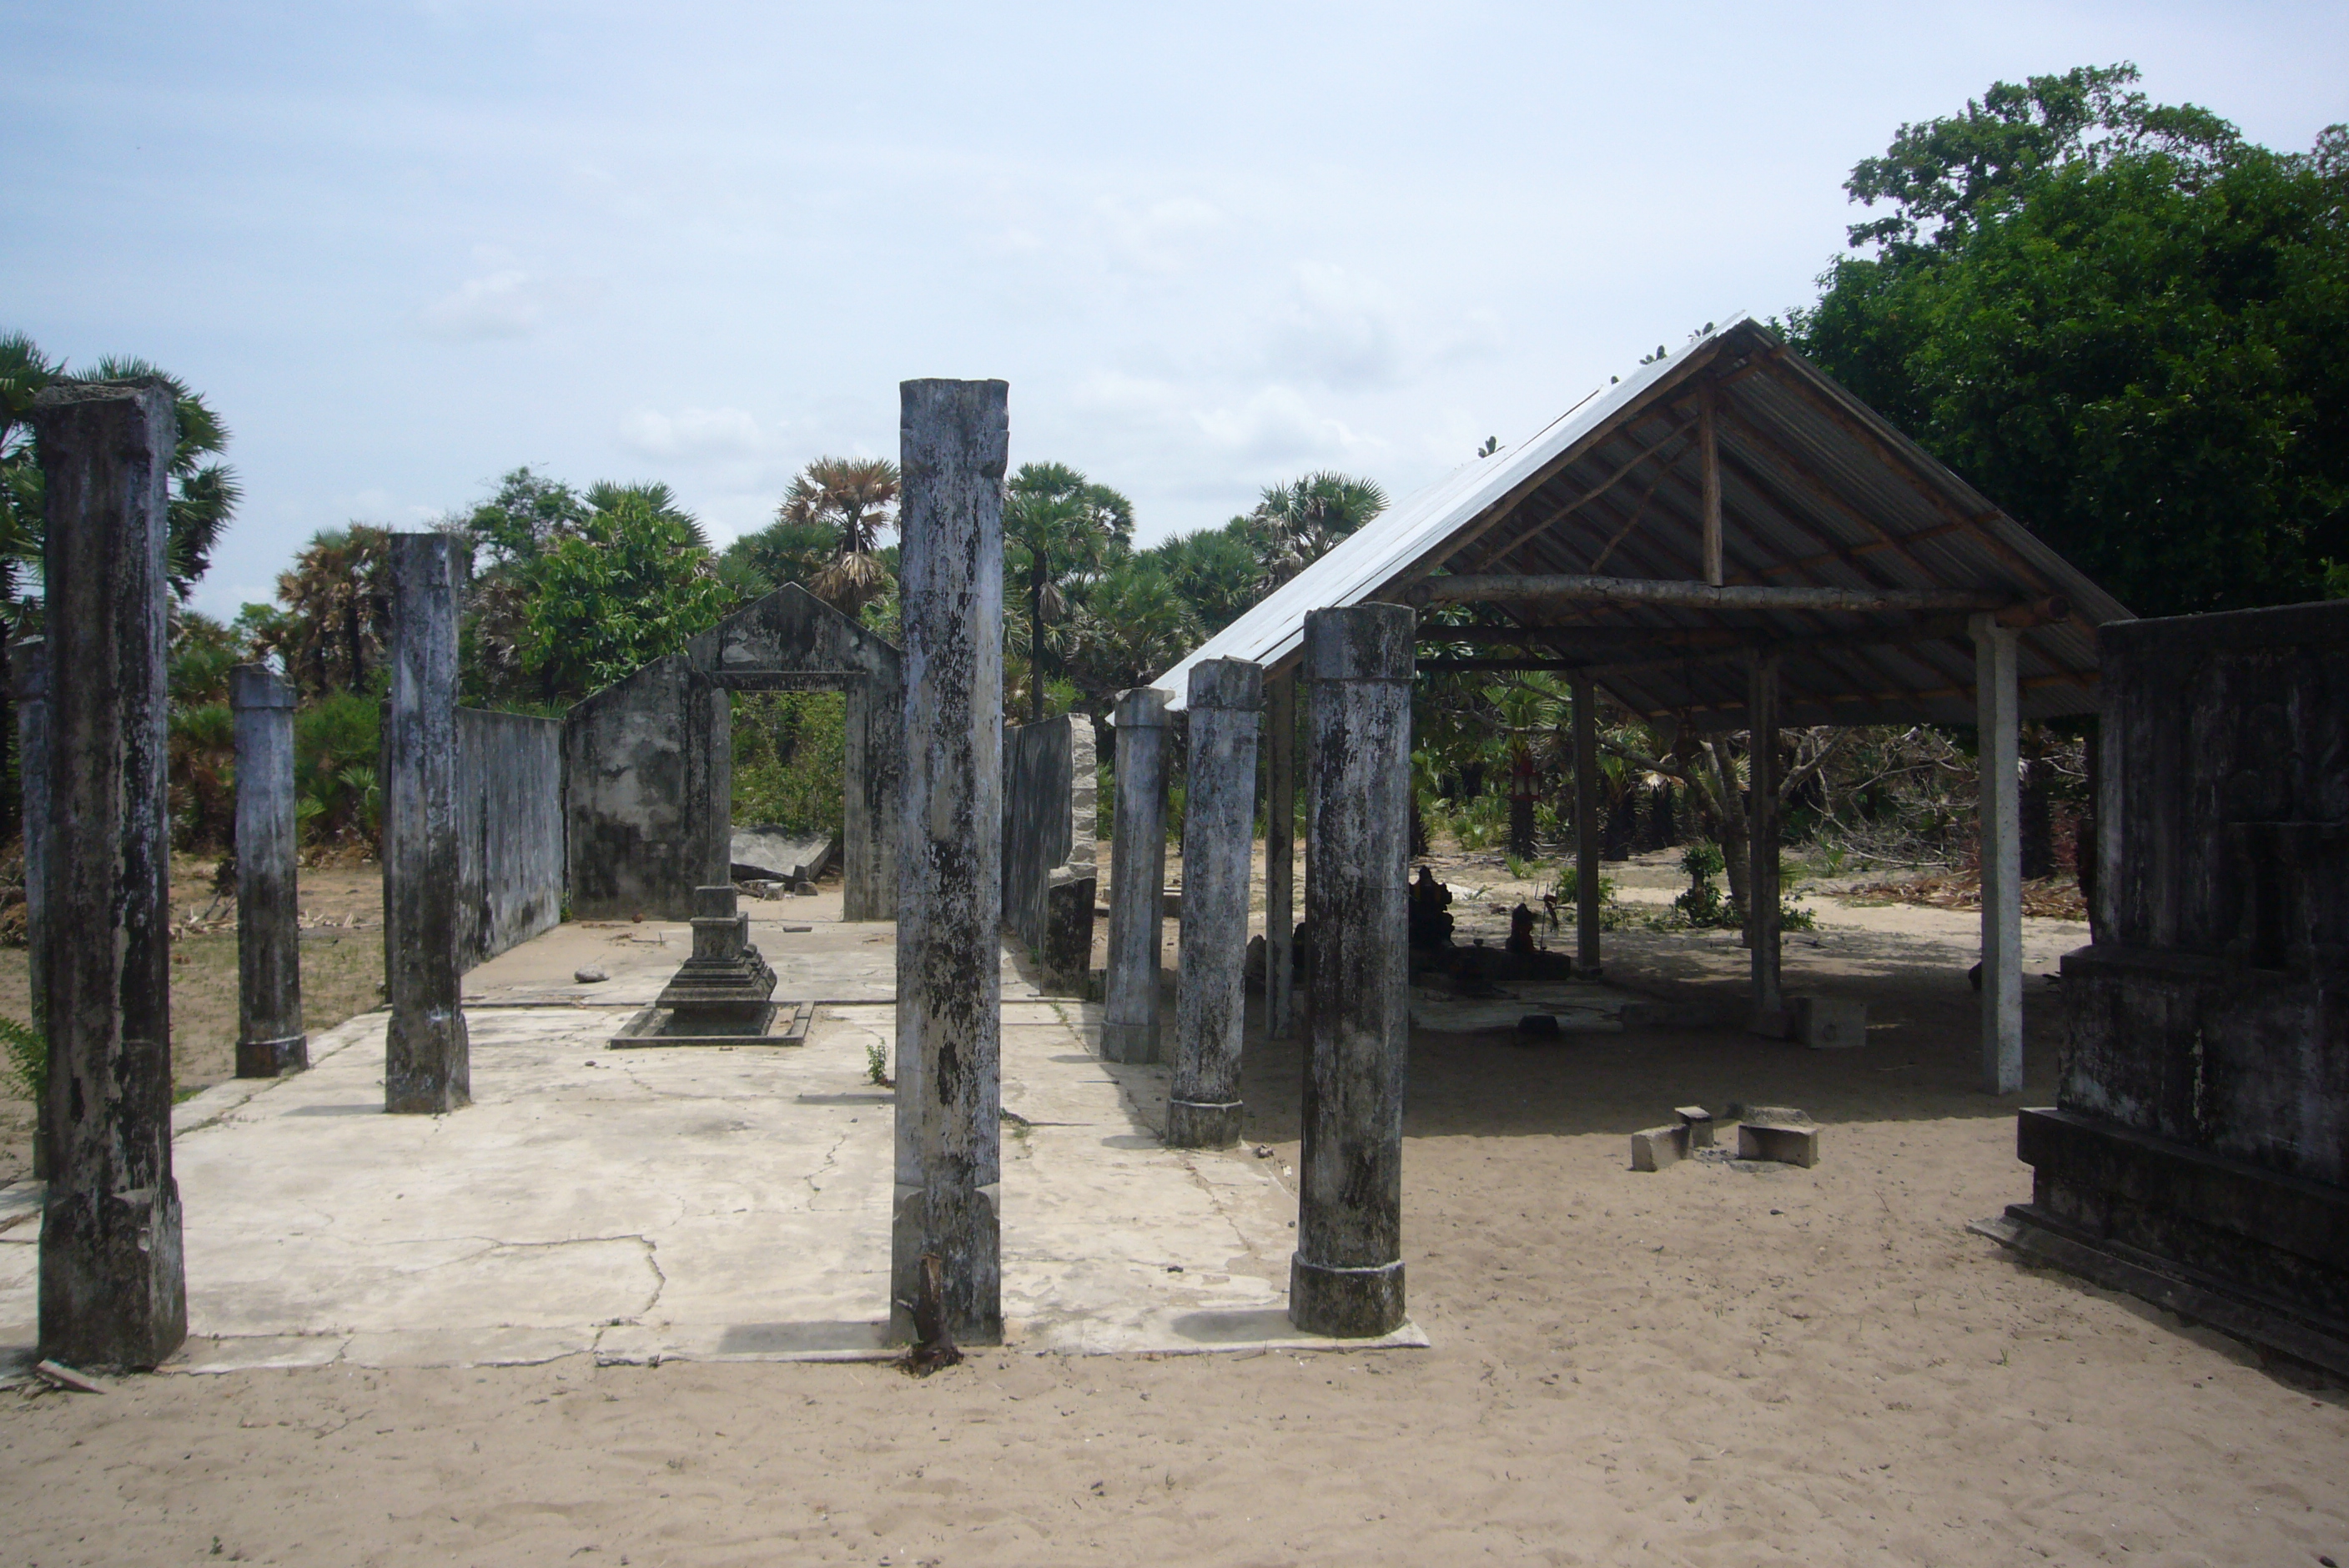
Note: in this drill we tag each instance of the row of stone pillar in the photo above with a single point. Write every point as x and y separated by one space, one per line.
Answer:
1356 665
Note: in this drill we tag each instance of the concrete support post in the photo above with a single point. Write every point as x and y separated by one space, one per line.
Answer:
953 437
28 678
1347 1277
112 1289
1586 829
269 1039
1226 706
428 1062
1280 859
1761 833
1998 708
1137 893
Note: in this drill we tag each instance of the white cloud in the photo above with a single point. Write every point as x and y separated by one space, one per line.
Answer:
1276 424
1156 236
693 433
508 301
1338 329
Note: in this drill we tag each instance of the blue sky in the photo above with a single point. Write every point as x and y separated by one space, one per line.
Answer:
404 248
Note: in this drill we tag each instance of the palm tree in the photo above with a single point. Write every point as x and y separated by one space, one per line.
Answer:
854 500
1131 625
339 610
1057 522
1302 522
24 371
203 495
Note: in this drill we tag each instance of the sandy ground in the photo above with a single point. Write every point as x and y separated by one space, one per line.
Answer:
1707 1365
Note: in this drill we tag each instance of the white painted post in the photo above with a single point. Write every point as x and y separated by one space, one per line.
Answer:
1998 708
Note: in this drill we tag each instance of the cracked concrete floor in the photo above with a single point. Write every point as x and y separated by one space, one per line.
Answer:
702 1204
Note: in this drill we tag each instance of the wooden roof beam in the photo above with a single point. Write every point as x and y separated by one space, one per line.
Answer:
1523 588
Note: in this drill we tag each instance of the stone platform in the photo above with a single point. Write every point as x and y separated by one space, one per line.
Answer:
711 1204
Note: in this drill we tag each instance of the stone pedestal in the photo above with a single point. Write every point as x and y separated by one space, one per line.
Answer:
1137 879
427 1055
269 1040
1347 1278
727 986
2202 1122
112 1290
1227 707
954 436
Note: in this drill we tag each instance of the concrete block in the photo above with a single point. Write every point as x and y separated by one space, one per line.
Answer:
1655 1148
1787 1142
1829 1023
1699 1122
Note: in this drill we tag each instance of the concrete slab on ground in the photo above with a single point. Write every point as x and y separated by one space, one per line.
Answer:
707 1203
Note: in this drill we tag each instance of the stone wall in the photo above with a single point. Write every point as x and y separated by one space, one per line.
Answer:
509 861
647 788
2202 1109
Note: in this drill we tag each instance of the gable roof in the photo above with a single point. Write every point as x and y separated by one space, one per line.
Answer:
1816 490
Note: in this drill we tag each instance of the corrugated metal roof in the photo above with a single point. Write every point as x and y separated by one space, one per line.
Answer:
1816 490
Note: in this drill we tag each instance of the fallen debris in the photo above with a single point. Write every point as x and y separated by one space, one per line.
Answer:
66 1378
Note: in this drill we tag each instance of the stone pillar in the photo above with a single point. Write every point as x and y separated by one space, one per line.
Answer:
269 1038
1280 859
1347 1277
1998 709
1226 704
953 437
427 1066
1762 834
28 677
1586 829
1137 888
112 1291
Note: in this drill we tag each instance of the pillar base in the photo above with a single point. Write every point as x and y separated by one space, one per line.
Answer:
427 1065
112 1290
1345 1304
965 1232
1133 1044
273 1058
1191 1124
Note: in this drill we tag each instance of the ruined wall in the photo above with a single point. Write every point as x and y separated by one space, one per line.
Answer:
647 788
2202 1109
509 861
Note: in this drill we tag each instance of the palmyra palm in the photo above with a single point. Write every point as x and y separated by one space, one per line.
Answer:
856 498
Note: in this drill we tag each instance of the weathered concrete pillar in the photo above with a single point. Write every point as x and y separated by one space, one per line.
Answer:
1280 858
1586 829
428 1062
269 1038
1226 704
1137 887
1347 1277
953 440
1998 711
112 1291
1762 834
29 678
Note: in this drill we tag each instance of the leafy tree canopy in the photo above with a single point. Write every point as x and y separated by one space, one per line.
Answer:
2120 321
633 582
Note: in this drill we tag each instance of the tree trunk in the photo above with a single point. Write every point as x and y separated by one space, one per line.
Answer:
1723 803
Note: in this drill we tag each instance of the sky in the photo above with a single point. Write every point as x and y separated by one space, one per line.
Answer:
403 247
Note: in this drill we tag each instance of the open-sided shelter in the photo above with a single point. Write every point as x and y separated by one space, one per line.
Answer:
1728 539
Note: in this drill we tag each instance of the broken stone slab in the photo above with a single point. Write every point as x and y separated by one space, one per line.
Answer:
1699 1122
1655 1148
1828 1023
1787 1142
1068 931
1740 1111
776 854
590 974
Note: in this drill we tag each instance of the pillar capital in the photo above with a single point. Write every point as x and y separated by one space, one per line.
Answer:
257 685
1233 684
1143 708
1360 642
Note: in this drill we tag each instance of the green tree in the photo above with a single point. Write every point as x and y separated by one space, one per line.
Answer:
526 513
633 582
203 495
1302 522
1057 522
827 532
1219 571
2120 321
337 611
1129 628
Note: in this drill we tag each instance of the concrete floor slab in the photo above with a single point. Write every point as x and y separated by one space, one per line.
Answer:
721 1203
